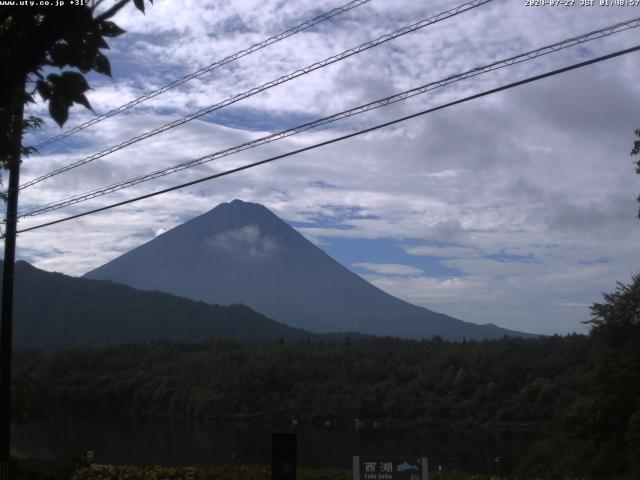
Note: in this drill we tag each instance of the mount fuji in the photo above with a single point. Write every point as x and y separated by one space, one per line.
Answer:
241 252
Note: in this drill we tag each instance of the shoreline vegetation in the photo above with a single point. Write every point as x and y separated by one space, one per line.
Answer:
73 469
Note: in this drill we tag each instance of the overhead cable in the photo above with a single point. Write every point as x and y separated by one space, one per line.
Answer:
280 80
339 139
398 97
198 73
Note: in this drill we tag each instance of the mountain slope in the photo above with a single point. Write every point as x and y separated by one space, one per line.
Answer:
242 253
57 311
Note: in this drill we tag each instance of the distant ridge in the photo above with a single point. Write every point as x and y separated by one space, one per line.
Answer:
241 252
54 311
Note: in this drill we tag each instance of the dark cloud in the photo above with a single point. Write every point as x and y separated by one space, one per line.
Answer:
592 100
595 218
448 231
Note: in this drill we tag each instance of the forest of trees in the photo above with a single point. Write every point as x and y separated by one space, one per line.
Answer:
580 393
507 384
512 383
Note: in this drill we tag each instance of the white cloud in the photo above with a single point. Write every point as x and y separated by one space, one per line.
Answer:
444 252
442 174
247 240
389 268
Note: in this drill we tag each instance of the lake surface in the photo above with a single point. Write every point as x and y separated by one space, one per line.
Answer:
182 443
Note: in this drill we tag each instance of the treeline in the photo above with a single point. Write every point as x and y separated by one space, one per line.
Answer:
581 393
511 383
575 391
597 433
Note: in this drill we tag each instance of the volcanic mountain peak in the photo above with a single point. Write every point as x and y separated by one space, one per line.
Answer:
241 252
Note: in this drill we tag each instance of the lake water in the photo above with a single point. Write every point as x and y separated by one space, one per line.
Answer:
181 443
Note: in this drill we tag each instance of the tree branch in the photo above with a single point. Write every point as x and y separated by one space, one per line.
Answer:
96 4
112 11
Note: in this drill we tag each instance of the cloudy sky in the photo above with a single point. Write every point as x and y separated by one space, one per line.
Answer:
517 209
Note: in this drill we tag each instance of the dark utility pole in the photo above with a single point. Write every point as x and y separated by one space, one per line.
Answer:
13 124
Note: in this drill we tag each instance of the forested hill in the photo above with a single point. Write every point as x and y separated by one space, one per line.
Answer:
510 383
53 310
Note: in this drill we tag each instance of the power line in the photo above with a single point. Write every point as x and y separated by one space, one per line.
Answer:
219 63
398 97
341 138
280 80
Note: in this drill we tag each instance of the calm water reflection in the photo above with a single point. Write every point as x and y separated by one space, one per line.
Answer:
179 443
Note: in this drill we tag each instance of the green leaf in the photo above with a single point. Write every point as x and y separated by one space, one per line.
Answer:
54 81
58 111
44 89
62 91
32 122
110 29
101 64
82 100
74 82
59 54
101 43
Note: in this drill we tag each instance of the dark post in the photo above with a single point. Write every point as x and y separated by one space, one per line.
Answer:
284 456
14 123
